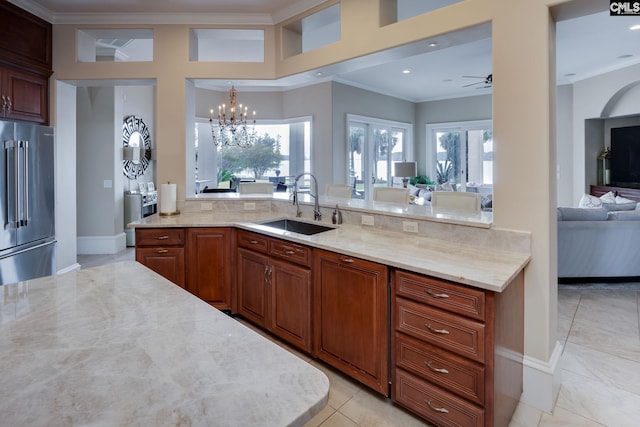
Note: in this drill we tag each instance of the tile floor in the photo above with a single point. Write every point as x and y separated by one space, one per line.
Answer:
598 325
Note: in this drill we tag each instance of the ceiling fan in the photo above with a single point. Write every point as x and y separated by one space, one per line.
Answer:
486 81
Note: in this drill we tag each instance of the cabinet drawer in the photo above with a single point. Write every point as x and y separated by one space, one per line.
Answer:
455 373
290 251
454 333
438 293
160 237
434 404
253 241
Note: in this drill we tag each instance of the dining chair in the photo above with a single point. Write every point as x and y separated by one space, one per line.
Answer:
256 188
391 195
456 200
339 191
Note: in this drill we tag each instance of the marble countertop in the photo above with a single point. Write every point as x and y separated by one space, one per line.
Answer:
480 267
120 345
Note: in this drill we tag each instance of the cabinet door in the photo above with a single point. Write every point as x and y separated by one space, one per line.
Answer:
28 95
291 303
166 261
351 317
253 297
209 268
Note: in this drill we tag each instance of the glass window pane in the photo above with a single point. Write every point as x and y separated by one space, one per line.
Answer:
226 45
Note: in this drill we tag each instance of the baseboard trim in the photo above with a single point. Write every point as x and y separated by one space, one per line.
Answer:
101 245
542 380
69 268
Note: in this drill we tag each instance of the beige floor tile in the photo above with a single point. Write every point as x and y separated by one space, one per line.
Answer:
338 420
373 410
603 367
615 311
598 402
563 418
341 388
525 416
593 336
321 417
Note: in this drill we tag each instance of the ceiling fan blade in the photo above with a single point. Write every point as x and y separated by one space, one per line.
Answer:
471 84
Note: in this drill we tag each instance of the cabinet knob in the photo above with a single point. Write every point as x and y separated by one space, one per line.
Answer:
347 260
162 251
162 237
253 242
289 252
437 331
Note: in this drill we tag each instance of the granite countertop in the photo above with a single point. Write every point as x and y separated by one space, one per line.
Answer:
481 267
120 345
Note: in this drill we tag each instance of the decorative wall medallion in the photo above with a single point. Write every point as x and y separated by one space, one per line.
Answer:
135 135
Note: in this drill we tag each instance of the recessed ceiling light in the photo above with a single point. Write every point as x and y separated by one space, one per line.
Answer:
570 74
635 27
625 56
319 73
406 71
433 44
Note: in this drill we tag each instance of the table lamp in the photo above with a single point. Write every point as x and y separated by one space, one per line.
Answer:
404 170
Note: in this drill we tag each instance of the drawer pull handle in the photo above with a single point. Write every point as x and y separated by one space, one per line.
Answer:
437 331
433 294
439 370
162 251
289 252
347 260
253 242
162 237
435 408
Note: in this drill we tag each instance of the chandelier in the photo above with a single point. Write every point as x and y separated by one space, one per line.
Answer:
232 128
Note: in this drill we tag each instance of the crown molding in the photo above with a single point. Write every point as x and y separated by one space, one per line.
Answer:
294 9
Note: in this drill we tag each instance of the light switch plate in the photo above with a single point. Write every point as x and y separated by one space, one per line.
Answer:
367 219
249 206
206 206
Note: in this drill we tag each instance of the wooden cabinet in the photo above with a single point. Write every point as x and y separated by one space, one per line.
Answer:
162 250
351 317
457 350
24 96
274 286
208 270
197 259
25 65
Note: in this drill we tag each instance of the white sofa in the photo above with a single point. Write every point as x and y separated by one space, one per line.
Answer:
597 243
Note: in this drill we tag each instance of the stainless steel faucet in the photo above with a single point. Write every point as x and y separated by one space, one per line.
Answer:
317 216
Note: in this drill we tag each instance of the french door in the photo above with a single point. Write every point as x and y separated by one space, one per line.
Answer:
373 146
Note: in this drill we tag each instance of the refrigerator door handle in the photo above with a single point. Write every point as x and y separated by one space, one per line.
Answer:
25 183
13 208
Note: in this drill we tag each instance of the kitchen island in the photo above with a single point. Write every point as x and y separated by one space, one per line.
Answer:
120 345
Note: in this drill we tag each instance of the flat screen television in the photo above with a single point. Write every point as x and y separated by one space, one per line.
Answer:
625 156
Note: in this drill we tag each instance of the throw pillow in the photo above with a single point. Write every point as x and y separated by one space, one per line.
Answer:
620 199
590 202
624 215
580 214
609 197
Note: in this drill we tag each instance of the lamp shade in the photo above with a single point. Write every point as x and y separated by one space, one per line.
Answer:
404 169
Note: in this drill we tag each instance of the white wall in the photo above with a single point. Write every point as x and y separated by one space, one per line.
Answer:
101 183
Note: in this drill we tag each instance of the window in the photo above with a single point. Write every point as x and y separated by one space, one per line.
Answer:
312 32
373 146
115 45
462 154
226 45
282 151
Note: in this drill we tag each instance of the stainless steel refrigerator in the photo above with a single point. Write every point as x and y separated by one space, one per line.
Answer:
27 234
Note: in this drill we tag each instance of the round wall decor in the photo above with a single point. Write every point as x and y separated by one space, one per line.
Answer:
136 141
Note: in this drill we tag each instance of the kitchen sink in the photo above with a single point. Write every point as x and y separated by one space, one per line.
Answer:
295 226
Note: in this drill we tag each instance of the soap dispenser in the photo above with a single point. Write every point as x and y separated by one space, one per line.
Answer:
336 217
